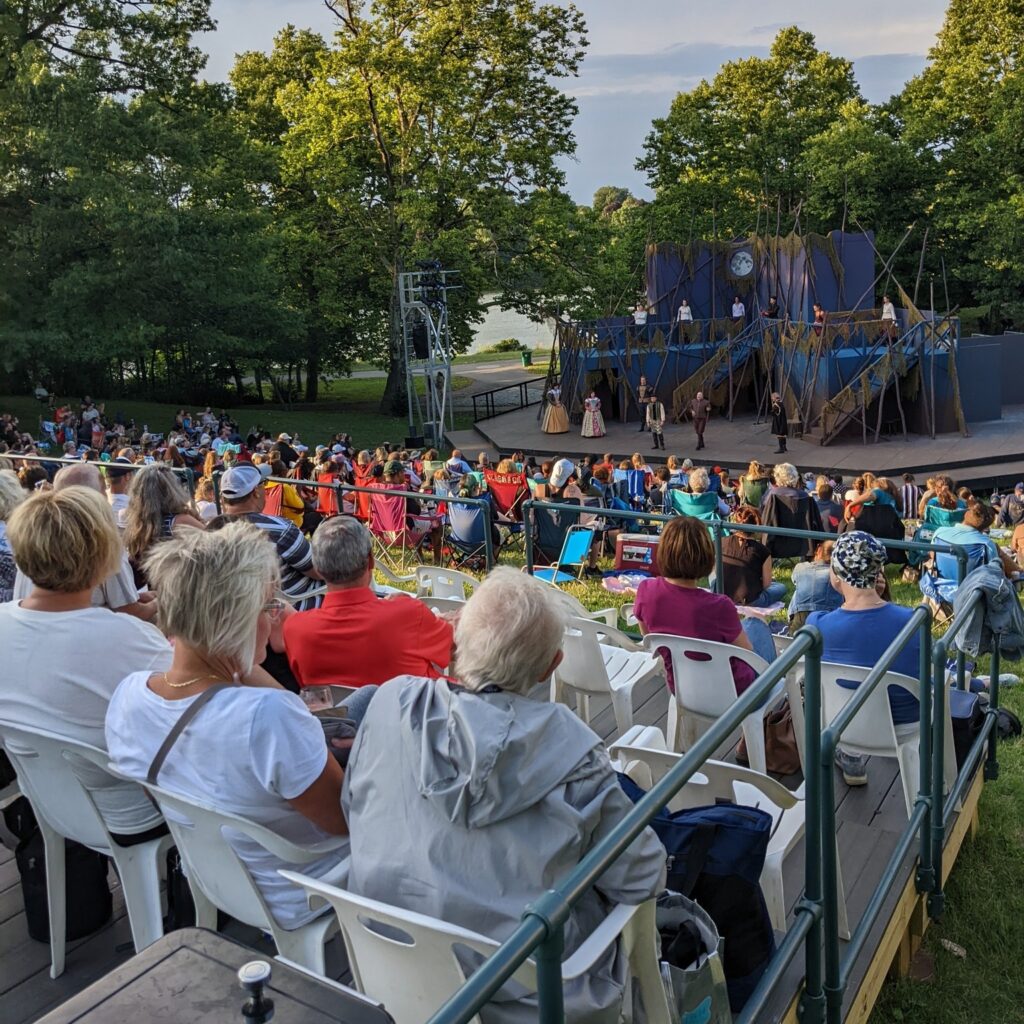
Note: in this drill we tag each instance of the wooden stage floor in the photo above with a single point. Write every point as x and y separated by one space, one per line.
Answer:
869 819
995 449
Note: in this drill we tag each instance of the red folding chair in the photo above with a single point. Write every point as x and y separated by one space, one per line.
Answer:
362 476
509 491
396 546
326 497
272 502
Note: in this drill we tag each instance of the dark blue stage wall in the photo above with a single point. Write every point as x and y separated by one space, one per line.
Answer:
835 270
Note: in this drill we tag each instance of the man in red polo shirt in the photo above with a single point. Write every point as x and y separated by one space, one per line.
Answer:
355 637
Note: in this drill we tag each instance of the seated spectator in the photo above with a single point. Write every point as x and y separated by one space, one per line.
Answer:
481 773
829 509
11 495
753 485
1011 512
562 486
63 655
204 498
812 587
356 637
699 500
659 488
118 591
910 496
787 504
944 508
119 478
293 508
674 603
971 534
158 504
421 519
219 592
877 491
242 496
457 465
860 630
747 565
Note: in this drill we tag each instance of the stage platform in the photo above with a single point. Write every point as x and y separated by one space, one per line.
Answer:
994 453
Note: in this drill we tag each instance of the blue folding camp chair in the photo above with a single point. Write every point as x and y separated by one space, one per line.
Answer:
466 532
575 551
636 492
698 506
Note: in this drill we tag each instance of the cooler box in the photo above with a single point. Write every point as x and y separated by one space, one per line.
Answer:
637 551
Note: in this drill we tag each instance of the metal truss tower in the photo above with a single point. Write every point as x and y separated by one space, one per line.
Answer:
423 306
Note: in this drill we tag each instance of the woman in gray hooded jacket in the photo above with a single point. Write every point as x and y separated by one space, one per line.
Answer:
467 801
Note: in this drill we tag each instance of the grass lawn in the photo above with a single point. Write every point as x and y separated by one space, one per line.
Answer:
985 893
348 405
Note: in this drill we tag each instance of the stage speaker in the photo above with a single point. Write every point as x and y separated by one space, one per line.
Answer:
414 442
420 341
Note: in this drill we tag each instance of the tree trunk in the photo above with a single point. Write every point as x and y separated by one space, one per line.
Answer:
313 373
394 401
239 383
257 373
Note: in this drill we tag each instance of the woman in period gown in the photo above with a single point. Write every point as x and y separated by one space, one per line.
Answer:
555 419
593 421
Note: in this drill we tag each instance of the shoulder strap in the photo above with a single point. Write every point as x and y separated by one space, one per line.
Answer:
179 727
696 856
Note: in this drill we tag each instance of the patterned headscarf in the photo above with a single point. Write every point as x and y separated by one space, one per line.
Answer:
858 558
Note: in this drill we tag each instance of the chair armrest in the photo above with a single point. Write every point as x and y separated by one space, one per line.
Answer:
610 616
615 637
628 616
598 941
385 571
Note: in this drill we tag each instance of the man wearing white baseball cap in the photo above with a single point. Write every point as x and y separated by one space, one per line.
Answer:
242 497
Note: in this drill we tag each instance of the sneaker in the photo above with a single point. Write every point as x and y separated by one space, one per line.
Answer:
853 766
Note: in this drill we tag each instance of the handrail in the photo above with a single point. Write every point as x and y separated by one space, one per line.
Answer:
187 472
543 922
525 400
338 487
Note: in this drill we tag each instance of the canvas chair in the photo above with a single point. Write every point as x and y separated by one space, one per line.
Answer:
396 546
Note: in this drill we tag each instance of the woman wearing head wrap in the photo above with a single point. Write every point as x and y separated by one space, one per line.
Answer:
860 630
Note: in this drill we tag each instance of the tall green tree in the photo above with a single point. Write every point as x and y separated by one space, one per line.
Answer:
731 151
430 127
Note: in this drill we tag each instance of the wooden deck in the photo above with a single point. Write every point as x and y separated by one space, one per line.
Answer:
869 819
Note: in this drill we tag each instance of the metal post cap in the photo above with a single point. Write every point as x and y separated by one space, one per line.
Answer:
254 975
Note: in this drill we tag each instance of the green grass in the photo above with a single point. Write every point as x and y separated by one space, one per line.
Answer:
348 405
487 355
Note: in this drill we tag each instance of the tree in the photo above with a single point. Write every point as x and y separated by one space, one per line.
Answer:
428 127
730 152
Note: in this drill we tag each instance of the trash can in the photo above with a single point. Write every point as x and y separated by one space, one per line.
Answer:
527 358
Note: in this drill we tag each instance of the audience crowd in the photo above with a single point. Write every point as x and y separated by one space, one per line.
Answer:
125 595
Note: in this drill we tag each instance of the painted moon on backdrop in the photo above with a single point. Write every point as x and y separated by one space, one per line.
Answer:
742 263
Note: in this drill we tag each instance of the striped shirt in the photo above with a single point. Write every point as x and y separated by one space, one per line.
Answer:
910 495
293 551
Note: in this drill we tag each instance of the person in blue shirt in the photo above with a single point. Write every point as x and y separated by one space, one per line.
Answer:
860 630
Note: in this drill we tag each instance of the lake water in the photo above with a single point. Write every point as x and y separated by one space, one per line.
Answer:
500 324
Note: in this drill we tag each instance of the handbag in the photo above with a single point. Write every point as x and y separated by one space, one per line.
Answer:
691 961
782 756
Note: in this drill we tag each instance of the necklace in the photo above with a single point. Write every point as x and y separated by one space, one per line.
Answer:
188 682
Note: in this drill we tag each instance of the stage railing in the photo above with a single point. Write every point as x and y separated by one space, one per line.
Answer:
486 406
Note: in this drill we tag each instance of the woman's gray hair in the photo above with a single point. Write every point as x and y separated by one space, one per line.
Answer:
699 480
786 475
212 587
509 632
11 493
341 550
154 493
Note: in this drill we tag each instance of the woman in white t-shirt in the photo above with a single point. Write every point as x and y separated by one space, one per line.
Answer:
254 749
739 310
63 657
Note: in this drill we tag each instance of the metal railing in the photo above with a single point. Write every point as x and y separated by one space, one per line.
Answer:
188 474
485 407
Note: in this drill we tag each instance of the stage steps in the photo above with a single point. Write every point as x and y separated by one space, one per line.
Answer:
715 372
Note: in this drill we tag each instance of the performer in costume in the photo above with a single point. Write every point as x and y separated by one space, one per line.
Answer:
643 389
555 419
593 421
699 410
656 421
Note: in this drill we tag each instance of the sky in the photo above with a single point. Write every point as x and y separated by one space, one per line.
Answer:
635 65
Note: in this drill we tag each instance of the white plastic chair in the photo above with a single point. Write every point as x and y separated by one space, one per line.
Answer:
8 795
442 604
573 607
642 756
65 808
705 690
218 877
385 944
598 660
873 732
435 581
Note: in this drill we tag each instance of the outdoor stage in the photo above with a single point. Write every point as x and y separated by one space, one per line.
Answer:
994 453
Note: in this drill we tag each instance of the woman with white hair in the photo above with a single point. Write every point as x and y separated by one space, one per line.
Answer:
788 504
12 494
254 749
467 801
699 501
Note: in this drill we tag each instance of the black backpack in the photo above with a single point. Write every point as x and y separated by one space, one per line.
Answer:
715 857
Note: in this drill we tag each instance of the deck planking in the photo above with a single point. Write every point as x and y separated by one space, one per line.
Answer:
869 819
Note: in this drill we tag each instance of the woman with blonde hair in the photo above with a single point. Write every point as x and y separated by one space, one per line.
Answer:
204 499
12 494
753 485
158 504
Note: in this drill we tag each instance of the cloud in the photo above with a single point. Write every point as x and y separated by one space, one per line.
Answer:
771 29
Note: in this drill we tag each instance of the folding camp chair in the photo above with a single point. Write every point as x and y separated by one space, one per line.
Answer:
326 497
551 526
396 546
273 499
575 551
697 506
636 489
466 533
509 491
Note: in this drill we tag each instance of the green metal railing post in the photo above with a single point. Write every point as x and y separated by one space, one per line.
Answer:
812 1002
924 880
549 976
992 763
528 534
719 564
936 900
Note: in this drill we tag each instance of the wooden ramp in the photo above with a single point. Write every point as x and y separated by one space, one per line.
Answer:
869 819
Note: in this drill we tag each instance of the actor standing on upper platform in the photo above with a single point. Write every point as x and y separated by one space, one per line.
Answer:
699 410
656 421
780 426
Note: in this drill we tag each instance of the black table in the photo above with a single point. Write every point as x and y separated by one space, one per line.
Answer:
190 977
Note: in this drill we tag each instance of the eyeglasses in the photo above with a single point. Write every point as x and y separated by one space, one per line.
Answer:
274 608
